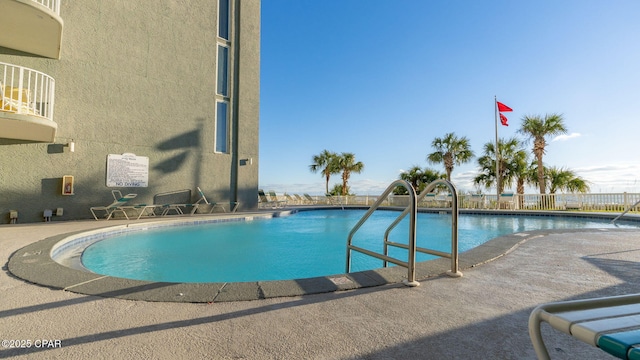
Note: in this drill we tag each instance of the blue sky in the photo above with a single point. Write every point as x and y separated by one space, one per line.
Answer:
382 79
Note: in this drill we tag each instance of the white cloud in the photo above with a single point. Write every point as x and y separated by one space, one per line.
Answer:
603 178
615 177
357 186
566 137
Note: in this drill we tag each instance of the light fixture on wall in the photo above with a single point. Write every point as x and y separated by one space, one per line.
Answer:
244 162
71 145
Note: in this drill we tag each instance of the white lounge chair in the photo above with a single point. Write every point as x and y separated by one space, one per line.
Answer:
202 205
299 199
476 201
290 199
117 204
211 205
507 201
609 323
311 200
266 201
139 210
573 205
276 200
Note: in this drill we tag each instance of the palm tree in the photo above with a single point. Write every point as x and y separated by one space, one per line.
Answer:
538 129
347 163
524 172
450 151
336 190
327 163
561 179
512 164
418 178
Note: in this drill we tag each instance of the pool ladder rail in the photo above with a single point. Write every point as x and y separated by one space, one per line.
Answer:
624 212
412 211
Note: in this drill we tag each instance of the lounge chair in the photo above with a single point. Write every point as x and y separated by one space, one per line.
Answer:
429 200
140 210
290 199
507 201
444 200
311 200
202 205
573 205
210 206
609 323
274 198
333 200
476 201
117 204
265 201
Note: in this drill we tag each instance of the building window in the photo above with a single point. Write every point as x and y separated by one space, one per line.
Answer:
223 19
222 126
222 111
223 71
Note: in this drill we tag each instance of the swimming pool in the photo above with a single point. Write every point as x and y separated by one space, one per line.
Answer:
303 245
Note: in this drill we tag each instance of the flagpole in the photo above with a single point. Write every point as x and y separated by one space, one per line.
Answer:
495 104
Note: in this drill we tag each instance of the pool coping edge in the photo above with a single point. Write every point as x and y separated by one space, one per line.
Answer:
33 263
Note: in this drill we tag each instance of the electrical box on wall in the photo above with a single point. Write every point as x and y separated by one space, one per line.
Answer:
67 185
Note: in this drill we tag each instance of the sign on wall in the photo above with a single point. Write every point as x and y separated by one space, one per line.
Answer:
127 170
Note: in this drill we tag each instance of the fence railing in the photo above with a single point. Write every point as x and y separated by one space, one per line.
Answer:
26 91
53 5
613 202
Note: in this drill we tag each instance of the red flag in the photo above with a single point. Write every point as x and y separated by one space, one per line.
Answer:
503 119
502 107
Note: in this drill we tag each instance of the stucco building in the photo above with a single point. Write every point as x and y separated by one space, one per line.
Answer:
143 96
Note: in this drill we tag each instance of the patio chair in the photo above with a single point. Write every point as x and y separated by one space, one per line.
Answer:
506 201
211 205
13 100
309 199
202 205
139 210
476 201
290 199
117 204
276 200
333 200
609 323
573 205
264 201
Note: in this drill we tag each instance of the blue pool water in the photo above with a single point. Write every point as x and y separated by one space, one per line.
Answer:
305 244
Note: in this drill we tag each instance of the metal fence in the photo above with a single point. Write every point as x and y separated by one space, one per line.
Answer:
606 202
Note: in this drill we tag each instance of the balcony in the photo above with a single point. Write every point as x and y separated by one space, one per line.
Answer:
32 26
26 104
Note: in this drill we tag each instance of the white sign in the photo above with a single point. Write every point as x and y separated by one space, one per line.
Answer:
127 170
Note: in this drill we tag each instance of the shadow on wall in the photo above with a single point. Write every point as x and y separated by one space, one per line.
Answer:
55 149
186 141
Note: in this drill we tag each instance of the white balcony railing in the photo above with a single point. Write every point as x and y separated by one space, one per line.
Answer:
26 92
53 5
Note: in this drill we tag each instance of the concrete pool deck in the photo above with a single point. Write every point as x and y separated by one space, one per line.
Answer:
481 315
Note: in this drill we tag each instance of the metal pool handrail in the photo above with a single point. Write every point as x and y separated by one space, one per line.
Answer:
410 264
454 229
